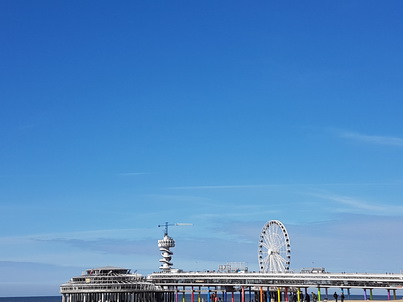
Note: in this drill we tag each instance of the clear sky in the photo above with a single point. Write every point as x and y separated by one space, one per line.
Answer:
117 116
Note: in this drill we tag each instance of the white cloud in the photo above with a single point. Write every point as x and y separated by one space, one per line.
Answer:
282 185
374 139
138 233
133 173
354 204
222 187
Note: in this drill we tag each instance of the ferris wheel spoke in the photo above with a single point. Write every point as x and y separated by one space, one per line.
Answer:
282 245
269 239
280 261
276 244
279 243
266 264
266 244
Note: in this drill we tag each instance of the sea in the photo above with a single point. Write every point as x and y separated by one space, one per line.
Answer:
59 298
32 299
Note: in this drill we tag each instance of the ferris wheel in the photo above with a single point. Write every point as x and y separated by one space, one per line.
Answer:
274 251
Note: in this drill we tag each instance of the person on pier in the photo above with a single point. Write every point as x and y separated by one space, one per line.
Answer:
314 297
335 296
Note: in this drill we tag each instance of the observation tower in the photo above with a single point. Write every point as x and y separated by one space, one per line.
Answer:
165 245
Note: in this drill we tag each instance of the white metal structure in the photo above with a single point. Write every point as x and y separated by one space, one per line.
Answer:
274 252
165 246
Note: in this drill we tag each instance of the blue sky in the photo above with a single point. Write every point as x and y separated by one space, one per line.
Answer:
117 117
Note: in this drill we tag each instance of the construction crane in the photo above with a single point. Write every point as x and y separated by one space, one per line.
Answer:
166 225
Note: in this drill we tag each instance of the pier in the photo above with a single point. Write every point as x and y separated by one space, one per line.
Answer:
278 286
273 283
118 285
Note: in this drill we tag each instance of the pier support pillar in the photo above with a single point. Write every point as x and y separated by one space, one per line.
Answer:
394 294
370 294
286 294
388 294
243 294
298 294
319 297
278 294
365 294
261 294
327 293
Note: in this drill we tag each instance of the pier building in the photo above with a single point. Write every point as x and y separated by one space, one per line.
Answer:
231 283
110 284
